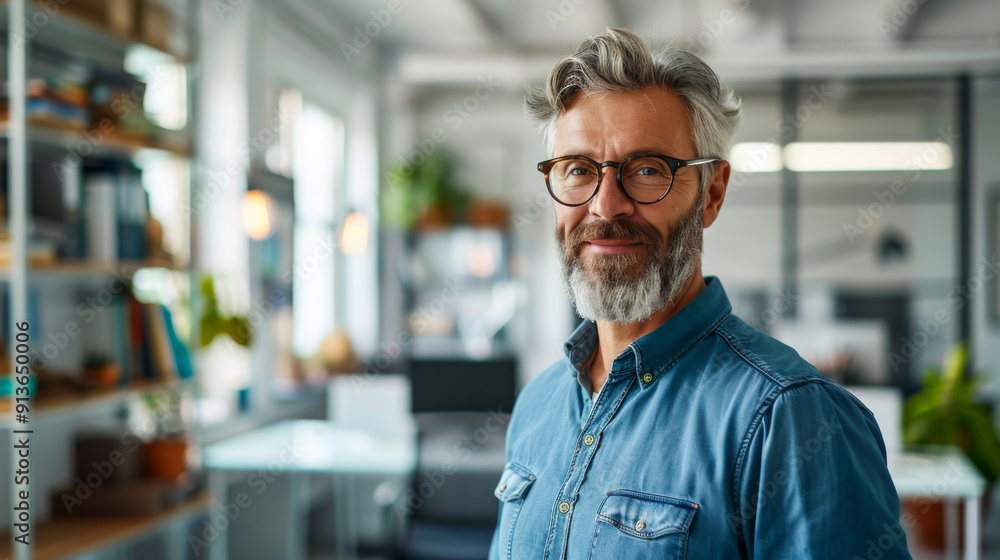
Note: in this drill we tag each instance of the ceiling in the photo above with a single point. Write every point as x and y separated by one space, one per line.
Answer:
454 41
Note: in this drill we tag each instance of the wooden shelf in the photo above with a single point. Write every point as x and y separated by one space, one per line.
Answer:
69 403
67 135
89 269
68 32
68 537
68 20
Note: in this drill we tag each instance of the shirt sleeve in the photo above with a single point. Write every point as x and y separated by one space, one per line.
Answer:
814 481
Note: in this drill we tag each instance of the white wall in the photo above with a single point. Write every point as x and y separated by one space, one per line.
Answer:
247 56
349 92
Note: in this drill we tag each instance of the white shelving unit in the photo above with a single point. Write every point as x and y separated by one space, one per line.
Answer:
62 538
17 189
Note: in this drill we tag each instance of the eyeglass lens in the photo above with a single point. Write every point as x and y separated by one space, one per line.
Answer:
574 180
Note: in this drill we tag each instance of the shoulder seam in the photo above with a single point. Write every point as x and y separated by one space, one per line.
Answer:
732 346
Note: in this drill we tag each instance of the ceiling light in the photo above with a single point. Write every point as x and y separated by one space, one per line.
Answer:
867 156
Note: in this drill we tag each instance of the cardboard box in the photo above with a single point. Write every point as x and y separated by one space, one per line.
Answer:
107 458
154 25
120 17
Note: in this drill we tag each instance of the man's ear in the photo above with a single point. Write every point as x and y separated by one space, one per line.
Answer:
715 192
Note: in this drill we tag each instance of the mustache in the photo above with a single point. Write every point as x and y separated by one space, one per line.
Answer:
638 232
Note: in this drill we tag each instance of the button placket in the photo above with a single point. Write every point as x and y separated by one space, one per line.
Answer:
597 418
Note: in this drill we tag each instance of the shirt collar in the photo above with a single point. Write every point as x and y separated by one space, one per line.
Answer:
658 351
578 348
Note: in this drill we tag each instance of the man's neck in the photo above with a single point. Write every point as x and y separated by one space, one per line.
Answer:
613 338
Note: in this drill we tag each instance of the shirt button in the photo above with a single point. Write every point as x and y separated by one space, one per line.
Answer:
502 488
639 525
647 377
564 507
588 439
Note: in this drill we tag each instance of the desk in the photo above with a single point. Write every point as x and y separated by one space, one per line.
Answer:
275 456
945 473
316 446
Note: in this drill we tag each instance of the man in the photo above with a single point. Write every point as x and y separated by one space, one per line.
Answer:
672 429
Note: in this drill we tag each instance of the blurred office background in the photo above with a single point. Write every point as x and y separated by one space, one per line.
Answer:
286 263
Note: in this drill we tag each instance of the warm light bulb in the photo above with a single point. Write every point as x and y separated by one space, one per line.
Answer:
354 235
257 214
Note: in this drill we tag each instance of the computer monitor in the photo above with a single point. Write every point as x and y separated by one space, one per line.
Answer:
461 385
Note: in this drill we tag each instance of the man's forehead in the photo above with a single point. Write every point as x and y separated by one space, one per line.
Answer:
646 115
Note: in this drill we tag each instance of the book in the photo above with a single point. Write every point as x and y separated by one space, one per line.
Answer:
101 214
121 351
136 337
116 211
133 213
181 355
164 362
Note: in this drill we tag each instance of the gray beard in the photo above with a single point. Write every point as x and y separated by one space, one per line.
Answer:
609 293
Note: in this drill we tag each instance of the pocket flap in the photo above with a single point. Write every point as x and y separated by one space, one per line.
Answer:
646 516
514 483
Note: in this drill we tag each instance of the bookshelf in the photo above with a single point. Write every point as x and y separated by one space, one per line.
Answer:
60 134
61 33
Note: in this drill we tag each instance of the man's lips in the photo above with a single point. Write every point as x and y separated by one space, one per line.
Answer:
611 246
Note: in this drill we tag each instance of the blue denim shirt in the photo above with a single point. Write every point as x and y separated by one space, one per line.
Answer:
709 439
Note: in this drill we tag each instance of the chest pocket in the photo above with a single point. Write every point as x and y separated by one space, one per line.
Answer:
638 525
511 490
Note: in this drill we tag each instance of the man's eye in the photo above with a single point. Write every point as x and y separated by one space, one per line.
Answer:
648 171
579 171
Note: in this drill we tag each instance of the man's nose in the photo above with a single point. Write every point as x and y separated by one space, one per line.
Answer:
611 202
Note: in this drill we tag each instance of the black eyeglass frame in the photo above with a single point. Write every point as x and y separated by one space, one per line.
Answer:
672 163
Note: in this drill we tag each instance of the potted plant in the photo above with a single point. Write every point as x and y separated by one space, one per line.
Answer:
946 413
423 195
164 457
101 369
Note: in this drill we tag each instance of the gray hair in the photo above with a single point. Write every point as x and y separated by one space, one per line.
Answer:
619 60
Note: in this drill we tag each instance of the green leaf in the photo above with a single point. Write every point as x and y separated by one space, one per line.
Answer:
945 412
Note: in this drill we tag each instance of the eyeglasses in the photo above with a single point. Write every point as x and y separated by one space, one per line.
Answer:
645 178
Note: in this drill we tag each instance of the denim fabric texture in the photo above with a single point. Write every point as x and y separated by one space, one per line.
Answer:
709 439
